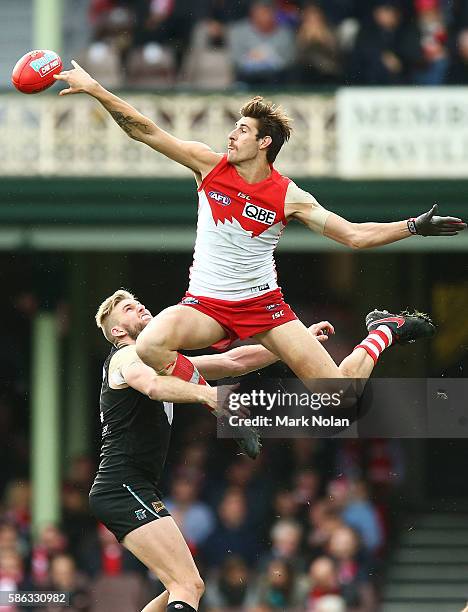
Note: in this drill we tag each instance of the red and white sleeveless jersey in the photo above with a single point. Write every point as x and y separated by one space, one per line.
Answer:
239 225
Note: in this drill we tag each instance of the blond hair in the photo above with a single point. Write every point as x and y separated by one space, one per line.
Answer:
103 315
272 121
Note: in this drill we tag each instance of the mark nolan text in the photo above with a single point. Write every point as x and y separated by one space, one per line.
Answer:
286 421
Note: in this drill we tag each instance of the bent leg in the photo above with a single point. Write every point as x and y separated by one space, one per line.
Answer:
162 548
178 327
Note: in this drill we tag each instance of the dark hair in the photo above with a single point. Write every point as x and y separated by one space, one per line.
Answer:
272 121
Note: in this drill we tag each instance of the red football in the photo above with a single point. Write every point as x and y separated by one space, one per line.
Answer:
35 71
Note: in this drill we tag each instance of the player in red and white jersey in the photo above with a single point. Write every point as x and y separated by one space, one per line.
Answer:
244 205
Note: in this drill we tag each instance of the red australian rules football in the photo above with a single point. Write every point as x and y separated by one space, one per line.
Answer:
35 71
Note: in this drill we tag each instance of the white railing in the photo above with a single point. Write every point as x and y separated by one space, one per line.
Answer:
74 136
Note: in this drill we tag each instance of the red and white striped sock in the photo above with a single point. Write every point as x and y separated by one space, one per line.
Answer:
185 370
377 341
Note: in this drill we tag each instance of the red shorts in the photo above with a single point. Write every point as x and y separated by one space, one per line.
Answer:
243 318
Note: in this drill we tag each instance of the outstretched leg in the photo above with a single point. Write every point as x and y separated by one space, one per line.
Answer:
309 360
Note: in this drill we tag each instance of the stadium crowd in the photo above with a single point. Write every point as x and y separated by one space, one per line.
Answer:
216 44
304 527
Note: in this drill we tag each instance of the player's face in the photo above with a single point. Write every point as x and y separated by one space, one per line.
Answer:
133 317
242 141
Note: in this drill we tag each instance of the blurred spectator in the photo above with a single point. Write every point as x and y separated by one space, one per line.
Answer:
286 540
18 504
330 603
306 488
230 588
285 504
318 55
193 461
233 535
250 477
77 521
51 542
121 593
360 514
262 51
433 42
194 518
163 22
101 554
112 23
11 574
324 581
324 520
280 587
353 580
9 540
387 50
458 68
65 578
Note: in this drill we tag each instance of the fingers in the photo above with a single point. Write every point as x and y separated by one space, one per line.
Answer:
438 220
64 92
62 76
76 65
433 210
321 329
446 232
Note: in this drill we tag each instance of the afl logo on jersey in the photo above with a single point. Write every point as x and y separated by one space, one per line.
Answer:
262 215
222 199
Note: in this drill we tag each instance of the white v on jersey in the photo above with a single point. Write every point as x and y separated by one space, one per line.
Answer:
239 225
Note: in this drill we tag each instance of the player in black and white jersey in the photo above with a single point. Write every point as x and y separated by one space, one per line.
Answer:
136 416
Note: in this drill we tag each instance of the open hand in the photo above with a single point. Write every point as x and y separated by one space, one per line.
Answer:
78 80
430 224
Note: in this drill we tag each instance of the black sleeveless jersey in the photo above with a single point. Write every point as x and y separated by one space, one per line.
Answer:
135 434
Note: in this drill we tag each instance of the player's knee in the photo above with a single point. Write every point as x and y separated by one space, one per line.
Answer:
199 586
192 587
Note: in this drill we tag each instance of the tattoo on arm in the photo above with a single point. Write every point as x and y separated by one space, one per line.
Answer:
129 125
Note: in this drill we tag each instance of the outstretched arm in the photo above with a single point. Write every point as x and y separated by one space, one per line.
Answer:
195 155
127 370
304 207
245 359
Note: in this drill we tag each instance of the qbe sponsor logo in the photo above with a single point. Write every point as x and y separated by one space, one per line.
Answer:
257 213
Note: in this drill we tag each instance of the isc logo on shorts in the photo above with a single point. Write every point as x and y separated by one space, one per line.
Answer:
262 215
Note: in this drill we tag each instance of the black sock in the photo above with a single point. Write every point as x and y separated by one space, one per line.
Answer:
175 606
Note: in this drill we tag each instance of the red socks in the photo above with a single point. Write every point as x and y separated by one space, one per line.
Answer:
376 342
184 369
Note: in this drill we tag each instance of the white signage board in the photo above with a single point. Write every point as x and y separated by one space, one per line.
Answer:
409 132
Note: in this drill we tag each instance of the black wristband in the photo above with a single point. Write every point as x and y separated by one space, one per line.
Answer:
412 226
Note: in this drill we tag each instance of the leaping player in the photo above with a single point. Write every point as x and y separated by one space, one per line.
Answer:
244 206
